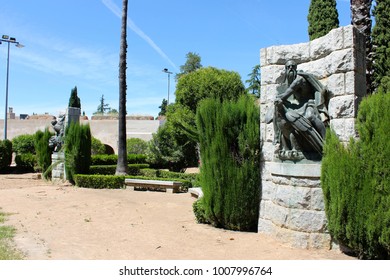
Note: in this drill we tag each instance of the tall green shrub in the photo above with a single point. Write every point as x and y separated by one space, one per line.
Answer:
43 151
5 153
77 150
356 182
230 162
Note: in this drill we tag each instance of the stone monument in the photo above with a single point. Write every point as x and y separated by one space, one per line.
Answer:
305 88
56 142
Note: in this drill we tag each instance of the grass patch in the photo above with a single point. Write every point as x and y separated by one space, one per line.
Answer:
7 252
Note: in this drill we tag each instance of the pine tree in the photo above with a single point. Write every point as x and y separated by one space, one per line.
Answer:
381 42
322 18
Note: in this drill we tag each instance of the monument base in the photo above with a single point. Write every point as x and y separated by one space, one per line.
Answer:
292 206
58 164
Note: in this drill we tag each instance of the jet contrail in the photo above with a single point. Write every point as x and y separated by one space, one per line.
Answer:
118 12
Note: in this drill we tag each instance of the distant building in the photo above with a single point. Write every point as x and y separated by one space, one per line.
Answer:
23 116
11 114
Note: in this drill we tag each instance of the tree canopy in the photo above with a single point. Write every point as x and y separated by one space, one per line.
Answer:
192 63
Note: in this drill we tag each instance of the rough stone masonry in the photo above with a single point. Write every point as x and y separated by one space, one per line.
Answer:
292 204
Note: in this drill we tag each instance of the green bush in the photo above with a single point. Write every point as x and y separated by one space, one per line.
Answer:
148 172
199 211
77 150
23 144
26 162
356 182
136 146
43 152
5 154
97 147
113 159
230 155
133 169
99 181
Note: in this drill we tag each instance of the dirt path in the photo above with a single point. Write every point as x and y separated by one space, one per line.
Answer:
62 222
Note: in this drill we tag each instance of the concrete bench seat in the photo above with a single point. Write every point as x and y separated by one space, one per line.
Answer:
196 192
169 186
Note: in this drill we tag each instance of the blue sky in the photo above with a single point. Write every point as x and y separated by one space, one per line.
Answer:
72 43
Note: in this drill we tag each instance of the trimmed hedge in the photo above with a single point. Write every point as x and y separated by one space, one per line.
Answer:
113 159
167 174
133 169
99 181
184 187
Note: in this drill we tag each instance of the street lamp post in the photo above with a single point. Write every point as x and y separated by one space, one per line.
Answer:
9 40
165 70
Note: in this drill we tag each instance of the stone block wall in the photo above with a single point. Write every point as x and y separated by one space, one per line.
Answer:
292 206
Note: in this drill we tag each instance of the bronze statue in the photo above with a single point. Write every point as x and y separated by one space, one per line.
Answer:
300 116
56 141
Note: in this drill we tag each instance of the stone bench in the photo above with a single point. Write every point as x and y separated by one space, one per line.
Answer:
196 192
169 186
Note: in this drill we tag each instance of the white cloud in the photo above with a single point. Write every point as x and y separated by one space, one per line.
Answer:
117 11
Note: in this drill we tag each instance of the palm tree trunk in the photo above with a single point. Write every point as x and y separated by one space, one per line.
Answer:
121 167
361 19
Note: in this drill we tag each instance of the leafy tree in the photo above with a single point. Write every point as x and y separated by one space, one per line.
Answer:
381 42
23 144
163 150
254 81
322 18
163 107
136 146
193 87
208 82
192 64
121 167
103 107
97 147
229 133
74 100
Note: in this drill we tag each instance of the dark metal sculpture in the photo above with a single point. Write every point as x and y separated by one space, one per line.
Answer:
300 116
56 141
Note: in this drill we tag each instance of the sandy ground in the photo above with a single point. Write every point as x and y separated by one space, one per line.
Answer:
60 222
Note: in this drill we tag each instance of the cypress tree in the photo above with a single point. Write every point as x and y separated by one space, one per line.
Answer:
356 182
77 150
230 169
381 41
322 18
43 151
74 100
